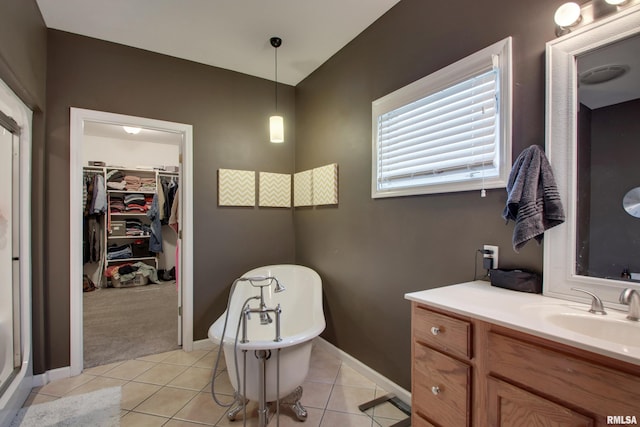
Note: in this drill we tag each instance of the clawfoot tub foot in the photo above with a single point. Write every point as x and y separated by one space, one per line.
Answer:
236 408
293 402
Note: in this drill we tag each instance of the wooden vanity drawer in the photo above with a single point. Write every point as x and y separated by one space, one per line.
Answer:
440 387
590 386
440 331
418 421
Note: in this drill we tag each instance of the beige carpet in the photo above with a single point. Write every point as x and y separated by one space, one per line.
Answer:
125 323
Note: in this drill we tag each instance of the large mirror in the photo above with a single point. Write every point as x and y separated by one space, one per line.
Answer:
593 144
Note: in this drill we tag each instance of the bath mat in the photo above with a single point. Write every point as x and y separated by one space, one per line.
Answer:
100 408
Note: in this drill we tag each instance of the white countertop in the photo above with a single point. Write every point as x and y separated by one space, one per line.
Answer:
525 312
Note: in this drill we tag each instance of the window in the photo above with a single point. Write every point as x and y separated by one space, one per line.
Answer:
449 131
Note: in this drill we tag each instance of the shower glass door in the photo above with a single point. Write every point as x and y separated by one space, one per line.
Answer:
10 336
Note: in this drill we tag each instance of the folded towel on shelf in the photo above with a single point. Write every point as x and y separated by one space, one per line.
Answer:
133 182
533 201
116 185
119 252
115 175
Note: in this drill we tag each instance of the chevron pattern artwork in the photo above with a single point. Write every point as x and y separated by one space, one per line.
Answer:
236 187
303 188
275 190
325 185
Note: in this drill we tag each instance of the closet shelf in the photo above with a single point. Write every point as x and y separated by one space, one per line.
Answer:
128 237
132 191
128 214
132 170
146 258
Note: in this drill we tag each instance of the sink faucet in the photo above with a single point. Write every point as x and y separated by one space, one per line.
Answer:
632 298
596 302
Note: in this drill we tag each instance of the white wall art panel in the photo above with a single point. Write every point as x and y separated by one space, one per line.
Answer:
325 185
303 188
236 187
275 190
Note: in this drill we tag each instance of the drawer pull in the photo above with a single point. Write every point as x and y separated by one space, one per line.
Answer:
435 330
435 390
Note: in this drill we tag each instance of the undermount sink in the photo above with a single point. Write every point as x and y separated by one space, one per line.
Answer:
621 331
574 322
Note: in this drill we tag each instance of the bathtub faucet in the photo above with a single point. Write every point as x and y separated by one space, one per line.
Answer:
262 282
263 311
265 319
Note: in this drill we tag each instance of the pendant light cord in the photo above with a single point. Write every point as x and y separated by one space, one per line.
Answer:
276 82
276 42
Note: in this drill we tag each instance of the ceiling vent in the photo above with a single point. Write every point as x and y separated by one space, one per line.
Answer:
602 74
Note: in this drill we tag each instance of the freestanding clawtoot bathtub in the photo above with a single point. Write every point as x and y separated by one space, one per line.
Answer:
297 295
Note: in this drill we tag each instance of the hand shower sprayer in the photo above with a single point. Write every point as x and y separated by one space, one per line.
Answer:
278 288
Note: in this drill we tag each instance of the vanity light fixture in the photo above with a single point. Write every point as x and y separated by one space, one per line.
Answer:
276 122
131 130
571 15
567 16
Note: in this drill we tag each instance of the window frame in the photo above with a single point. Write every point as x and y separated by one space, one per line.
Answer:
497 55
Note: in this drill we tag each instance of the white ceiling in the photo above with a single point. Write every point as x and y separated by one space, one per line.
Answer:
230 34
113 131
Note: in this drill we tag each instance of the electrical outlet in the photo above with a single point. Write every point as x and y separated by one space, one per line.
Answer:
493 255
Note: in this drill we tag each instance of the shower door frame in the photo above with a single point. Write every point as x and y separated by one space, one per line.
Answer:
19 387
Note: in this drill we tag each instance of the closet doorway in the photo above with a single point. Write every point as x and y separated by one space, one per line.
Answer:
131 244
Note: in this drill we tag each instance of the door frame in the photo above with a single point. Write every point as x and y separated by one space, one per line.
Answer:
78 117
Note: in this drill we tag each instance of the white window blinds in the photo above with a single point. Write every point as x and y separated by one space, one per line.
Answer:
452 132
450 135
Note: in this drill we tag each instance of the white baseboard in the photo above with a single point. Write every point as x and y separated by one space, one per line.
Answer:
206 344
52 375
376 377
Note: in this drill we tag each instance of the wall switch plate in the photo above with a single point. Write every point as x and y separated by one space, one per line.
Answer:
493 255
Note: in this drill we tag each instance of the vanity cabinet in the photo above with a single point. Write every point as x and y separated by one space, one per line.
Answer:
468 372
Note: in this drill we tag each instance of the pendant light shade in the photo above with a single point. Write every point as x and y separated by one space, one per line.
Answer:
276 122
276 127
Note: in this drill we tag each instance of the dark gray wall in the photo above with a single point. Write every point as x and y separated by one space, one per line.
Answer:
371 252
23 44
614 234
229 112
23 58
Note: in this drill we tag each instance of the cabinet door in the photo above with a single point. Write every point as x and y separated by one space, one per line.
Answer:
440 387
510 406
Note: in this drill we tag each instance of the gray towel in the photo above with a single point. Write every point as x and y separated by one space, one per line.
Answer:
533 201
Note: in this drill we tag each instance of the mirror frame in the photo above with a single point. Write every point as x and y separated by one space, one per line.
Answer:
561 149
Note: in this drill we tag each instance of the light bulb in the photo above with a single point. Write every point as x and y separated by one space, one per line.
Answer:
131 130
567 15
616 2
276 127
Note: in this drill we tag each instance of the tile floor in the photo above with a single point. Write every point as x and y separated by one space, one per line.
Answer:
173 389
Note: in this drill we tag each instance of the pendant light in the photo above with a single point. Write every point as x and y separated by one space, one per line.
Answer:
276 122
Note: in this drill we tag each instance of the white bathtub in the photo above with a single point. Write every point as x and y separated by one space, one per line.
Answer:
302 319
